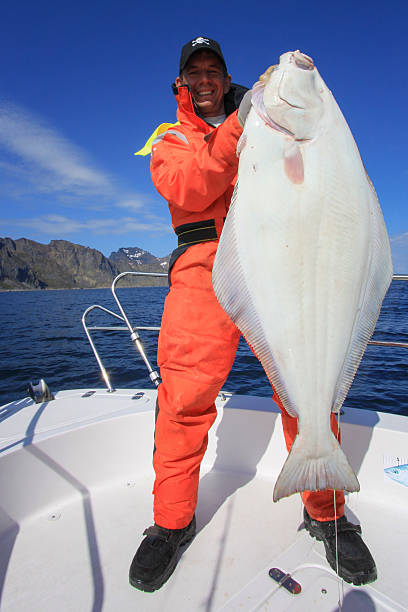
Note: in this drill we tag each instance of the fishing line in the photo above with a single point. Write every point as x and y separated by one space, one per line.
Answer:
340 583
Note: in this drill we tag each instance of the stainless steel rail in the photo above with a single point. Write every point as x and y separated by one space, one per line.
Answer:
134 335
95 352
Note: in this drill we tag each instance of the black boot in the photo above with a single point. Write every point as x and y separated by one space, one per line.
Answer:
156 557
355 563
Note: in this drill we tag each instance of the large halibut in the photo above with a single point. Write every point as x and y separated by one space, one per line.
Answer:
304 261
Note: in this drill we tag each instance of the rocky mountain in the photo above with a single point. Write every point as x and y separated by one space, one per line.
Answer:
26 264
133 258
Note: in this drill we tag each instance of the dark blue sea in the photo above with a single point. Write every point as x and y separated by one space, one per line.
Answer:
42 337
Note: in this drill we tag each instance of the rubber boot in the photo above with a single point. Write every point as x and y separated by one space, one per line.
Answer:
157 556
355 563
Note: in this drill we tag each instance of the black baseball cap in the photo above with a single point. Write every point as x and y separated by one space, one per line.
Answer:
198 43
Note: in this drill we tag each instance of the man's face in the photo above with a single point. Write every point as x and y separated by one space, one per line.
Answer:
208 82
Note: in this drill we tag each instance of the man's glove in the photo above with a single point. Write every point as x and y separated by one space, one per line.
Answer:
244 107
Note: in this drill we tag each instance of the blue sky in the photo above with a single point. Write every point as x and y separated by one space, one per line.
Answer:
83 85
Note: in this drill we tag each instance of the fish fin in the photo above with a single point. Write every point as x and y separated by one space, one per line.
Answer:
293 162
241 143
379 272
304 473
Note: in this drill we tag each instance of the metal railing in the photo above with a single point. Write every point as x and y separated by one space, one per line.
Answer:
134 335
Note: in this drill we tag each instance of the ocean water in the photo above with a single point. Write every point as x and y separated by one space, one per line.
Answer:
42 337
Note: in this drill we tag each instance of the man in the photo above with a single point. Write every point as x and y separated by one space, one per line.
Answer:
194 167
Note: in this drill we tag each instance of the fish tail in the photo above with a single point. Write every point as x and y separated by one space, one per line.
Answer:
304 473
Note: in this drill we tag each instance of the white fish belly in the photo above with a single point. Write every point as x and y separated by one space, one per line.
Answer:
302 270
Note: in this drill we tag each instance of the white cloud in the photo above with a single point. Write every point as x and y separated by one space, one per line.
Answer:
36 160
131 203
400 239
45 158
399 249
59 225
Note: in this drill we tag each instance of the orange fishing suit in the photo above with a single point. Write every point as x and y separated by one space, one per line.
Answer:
194 167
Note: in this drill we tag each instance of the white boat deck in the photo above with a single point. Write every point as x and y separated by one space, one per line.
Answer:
76 480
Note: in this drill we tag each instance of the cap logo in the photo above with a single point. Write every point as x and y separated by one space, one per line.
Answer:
200 41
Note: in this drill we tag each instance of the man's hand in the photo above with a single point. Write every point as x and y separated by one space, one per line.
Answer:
244 107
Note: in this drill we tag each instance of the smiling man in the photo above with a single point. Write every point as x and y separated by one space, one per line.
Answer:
193 166
206 74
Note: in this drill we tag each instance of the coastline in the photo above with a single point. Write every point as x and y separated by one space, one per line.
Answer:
76 288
